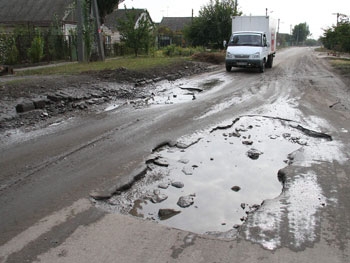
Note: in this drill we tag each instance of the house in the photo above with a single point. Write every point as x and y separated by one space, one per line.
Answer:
110 26
176 24
37 13
170 30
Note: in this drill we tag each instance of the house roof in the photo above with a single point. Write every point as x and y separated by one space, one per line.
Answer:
175 23
111 20
38 12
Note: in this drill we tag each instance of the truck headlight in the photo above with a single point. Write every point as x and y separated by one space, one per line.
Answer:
255 55
229 55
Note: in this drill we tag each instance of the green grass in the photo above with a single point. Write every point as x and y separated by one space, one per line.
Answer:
342 64
321 49
131 63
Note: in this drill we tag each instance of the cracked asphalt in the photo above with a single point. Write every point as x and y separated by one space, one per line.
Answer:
51 177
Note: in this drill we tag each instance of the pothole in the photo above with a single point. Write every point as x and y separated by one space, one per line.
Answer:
210 184
182 92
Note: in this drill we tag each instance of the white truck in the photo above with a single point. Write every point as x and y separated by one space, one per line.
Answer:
252 44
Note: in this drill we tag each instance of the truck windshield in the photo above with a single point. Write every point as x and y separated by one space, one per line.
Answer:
245 40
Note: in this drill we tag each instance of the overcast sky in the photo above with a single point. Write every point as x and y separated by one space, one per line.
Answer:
317 14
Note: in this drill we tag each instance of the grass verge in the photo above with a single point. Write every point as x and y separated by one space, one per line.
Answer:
342 64
131 63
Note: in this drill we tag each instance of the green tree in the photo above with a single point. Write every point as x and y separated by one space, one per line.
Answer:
136 30
300 33
311 42
36 50
338 37
56 46
8 49
88 28
213 25
283 40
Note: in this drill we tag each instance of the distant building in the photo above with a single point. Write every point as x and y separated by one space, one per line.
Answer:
176 24
110 26
170 31
37 13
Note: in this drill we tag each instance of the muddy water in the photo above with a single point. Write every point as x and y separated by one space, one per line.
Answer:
183 91
225 181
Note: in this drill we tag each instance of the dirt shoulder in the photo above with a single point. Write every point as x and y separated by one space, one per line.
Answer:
33 102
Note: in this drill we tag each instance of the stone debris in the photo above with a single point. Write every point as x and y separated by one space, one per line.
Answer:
178 184
247 142
188 170
184 161
235 188
186 201
166 213
158 198
161 162
163 185
234 134
25 106
254 154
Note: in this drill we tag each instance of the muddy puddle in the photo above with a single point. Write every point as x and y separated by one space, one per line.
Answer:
182 91
166 92
210 182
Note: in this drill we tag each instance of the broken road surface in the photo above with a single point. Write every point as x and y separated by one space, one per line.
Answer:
53 179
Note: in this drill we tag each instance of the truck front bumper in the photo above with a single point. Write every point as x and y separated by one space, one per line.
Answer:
244 63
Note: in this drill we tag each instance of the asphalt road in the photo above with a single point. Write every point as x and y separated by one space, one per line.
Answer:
46 178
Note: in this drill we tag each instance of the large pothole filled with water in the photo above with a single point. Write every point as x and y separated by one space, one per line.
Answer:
210 182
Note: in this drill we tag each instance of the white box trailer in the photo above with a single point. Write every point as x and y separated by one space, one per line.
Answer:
253 42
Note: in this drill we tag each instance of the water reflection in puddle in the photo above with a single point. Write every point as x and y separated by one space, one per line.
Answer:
225 182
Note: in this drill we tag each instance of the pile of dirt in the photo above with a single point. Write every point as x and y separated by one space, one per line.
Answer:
30 102
210 57
169 72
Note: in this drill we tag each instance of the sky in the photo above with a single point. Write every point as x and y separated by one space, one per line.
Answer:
317 14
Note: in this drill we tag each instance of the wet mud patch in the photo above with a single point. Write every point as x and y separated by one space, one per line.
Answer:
291 220
179 91
210 183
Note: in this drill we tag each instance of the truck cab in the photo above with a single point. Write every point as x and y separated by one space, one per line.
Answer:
252 43
248 50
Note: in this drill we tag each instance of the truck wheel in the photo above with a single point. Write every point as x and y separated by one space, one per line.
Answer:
269 62
262 67
228 68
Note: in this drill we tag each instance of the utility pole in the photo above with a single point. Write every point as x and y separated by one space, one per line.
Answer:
101 53
80 42
338 16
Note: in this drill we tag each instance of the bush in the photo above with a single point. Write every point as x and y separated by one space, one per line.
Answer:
12 55
174 50
36 51
169 51
8 50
